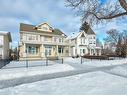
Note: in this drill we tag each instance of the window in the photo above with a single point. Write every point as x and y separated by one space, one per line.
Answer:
44 28
90 42
32 37
55 39
60 40
80 51
32 49
60 49
21 36
45 39
81 40
84 40
37 37
83 50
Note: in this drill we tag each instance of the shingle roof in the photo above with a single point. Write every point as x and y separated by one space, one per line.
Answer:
32 28
86 28
89 31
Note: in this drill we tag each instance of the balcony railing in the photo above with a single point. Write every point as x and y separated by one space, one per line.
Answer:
46 42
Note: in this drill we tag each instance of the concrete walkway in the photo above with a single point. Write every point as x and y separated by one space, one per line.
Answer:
30 79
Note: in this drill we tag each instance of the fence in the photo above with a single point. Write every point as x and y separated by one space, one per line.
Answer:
29 63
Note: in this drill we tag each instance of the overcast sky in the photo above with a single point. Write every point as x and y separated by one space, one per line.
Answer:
54 12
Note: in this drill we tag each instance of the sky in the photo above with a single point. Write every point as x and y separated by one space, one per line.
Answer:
54 12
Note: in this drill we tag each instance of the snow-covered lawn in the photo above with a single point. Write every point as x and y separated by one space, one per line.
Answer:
105 81
95 83
95 63
22 64
6 74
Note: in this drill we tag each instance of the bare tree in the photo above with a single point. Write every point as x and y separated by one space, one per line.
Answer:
119 39
99 10
112 36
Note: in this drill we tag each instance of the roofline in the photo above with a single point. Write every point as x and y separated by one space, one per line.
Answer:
43 24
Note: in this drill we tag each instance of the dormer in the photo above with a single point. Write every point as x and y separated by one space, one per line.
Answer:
44 27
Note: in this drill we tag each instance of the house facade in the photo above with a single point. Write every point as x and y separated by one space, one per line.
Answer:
5 39
84 43
41 41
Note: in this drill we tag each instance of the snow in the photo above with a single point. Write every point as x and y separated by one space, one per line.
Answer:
121 70
95 83
105 81
74 35
6 74
96 63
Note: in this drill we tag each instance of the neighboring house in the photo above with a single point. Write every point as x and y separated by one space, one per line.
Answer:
5 39
110 47
84 43
41 41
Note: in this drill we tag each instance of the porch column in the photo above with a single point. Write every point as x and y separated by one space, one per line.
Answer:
69 50
24 50
57 53
42 51
100 52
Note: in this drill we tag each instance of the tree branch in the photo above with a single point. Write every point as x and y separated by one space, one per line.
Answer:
108 17
123 3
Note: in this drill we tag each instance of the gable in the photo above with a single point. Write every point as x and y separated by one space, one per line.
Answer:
44 27
38 29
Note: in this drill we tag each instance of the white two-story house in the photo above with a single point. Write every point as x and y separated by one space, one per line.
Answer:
84 43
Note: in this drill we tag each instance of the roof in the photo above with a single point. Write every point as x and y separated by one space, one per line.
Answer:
73 36
89 31
86 28
6 33
32 28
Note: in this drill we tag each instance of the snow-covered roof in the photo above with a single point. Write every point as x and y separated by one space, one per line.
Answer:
73 35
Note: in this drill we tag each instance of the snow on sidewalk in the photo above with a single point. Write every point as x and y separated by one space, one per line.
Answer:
95 83
6 74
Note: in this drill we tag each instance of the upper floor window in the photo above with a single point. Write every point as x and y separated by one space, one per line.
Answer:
45 28
45 38
60 40
55 39
32 37
90 42
84 40
21 36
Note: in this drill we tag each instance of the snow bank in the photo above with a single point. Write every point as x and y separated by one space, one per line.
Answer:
96 83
